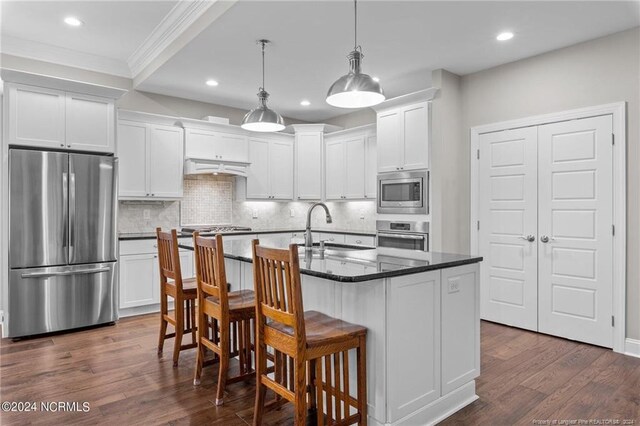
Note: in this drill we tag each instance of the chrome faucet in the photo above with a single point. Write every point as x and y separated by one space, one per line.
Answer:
308 238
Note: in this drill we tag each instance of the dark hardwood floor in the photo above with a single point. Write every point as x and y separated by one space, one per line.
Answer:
525 377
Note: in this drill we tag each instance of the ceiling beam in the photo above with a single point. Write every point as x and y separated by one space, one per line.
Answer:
181 25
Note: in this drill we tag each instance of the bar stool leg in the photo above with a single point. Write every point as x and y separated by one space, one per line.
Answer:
178 311
362 380
261 390
200 349
300 389
163 323
224 365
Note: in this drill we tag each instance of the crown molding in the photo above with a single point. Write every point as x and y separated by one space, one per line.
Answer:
68 85
62 56
409 98
176 22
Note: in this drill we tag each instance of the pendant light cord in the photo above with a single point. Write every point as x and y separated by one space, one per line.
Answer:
355 24
263 44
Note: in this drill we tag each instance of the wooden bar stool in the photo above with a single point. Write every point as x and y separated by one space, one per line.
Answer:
184 295
300 340
231 314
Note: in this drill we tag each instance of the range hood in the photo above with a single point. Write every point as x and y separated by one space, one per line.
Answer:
194 166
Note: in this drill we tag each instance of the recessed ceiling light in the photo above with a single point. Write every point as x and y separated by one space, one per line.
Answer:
305 102
212 83
73 21
504 36
376 79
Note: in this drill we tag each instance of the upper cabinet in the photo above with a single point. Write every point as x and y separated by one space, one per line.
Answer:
214 142
270 174
309 158
403 132
309 165
48 118
350 165
151 159
215 146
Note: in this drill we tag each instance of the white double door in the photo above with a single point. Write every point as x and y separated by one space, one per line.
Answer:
546 234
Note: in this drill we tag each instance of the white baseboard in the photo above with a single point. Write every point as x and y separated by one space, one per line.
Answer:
632 347
142 310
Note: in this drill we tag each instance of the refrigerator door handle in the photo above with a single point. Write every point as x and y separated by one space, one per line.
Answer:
65 204
62 273
72 213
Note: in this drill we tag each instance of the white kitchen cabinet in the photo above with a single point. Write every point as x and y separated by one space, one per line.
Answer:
215 146
139 280
270 174
331 238
371 168
151 160
133 151
165 161
403 138
90 123
345 168
354 182
360 240
389 142
36 116
309 165
48 118
335 170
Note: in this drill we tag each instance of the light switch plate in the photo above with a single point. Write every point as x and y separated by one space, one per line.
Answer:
292 212
146 214
255 214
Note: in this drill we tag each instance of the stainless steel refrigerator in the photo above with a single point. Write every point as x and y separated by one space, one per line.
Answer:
62 241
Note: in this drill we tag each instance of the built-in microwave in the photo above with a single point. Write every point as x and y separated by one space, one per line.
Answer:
404 192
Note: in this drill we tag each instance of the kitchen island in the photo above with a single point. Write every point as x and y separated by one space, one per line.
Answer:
422 315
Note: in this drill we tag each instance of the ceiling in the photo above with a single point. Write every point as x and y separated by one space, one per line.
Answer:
402 42
112 29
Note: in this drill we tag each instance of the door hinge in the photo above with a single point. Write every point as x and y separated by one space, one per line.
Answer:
613 230
613 321
613 138
478 225
478 154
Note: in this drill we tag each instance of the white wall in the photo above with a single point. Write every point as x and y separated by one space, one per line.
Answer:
449 169
596 72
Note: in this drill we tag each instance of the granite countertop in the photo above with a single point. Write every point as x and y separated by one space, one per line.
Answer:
152 235
351 264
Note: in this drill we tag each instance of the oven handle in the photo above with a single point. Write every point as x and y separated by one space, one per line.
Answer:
401 236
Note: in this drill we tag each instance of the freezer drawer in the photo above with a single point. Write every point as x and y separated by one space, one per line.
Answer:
43 300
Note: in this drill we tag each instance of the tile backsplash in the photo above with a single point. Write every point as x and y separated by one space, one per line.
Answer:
209 199
131 215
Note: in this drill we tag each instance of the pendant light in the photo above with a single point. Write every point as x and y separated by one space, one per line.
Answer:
355 89
262 118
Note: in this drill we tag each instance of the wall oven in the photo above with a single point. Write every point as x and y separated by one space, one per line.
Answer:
403 235
404 192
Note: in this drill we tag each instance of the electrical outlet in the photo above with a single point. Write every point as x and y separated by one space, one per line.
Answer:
362 214
146 214
454 286
292 212
255 214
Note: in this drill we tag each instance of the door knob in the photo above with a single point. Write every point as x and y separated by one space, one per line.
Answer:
544 239
529 238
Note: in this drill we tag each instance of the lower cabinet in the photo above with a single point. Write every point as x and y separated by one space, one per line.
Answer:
139 279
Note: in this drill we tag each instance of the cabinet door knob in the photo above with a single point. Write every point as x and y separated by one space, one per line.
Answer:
69 146
62 144
358 241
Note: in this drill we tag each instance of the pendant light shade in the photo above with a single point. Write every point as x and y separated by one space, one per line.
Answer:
355 89
262 118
